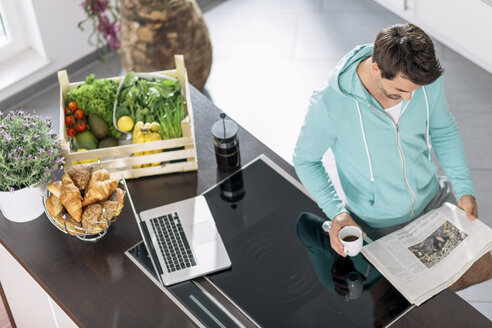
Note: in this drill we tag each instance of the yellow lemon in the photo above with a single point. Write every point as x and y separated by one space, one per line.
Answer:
125 123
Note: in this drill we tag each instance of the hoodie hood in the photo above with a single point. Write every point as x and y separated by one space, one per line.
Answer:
344 79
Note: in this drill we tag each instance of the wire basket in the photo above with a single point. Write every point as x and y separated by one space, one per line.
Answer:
81 232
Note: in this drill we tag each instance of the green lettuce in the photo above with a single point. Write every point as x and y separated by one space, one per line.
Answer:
96 97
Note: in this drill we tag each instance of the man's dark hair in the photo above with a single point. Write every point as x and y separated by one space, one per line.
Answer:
406 49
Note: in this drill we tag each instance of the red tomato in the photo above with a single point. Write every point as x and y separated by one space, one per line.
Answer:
71 132
67 111
79 113
73 106
81 126
69 120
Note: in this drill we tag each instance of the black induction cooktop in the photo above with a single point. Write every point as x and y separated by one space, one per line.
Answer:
277 279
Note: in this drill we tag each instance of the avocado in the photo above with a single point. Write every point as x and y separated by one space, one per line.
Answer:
98 126
86 140
108 142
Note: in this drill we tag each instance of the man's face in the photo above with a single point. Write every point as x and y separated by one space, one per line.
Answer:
397 88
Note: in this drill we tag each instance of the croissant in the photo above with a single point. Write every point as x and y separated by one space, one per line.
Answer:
100 190
81 174
54 206
70 198
99 175
55 188
120 194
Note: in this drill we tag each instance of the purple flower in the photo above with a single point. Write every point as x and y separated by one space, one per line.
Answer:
26 125
7 117
50 151
11 189
41 151
7 137
104 25
47 169
17 158
95 6
1 114
29 157
2 126
21 112
20 148
10 155
4 174
51 132
35 136
60 161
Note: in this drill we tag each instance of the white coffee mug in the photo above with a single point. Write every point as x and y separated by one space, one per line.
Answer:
353 240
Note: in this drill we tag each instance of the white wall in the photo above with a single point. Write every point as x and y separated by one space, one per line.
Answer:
462 25
63 42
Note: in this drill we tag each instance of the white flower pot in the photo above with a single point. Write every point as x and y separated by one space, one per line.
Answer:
22 205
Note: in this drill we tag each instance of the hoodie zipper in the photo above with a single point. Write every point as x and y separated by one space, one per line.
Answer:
402 157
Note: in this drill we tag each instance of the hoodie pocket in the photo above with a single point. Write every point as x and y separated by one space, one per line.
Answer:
392 198
421 174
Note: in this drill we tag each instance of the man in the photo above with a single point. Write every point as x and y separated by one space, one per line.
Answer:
382 113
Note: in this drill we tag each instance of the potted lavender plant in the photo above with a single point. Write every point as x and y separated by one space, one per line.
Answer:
29 152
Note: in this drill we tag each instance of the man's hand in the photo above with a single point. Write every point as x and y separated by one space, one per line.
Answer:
340 221
468 204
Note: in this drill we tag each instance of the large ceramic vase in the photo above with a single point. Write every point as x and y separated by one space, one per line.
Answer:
22 205
153 31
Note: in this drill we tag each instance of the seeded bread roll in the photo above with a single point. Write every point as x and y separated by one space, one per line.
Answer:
81 175
90 219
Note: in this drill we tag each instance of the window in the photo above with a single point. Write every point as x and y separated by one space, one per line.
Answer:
21 46
14 41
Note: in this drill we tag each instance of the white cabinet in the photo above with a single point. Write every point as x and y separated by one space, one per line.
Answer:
30 305
464 26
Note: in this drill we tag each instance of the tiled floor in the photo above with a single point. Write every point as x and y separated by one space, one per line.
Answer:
268 57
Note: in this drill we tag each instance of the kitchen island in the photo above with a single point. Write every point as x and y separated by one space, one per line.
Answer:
76 283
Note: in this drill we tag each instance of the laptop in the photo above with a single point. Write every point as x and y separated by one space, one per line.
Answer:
182 240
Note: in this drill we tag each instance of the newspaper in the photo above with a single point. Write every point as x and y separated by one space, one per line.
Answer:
431 253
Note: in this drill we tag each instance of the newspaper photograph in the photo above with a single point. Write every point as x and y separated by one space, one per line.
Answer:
431 253
438 245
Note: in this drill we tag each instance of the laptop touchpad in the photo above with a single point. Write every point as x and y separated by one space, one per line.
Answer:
202 233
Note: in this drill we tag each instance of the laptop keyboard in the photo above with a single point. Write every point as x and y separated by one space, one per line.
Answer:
173 243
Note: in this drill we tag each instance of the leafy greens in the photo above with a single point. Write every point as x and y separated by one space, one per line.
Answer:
152 101
96 97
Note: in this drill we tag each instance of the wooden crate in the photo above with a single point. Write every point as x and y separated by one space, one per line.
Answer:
119 161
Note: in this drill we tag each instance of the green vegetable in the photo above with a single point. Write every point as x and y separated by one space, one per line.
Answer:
96 97
170 115
152 101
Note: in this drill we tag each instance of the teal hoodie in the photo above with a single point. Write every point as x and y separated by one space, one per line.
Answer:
385 169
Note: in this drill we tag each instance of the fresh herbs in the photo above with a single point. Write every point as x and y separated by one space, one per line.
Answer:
96 97
156 100
29 150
